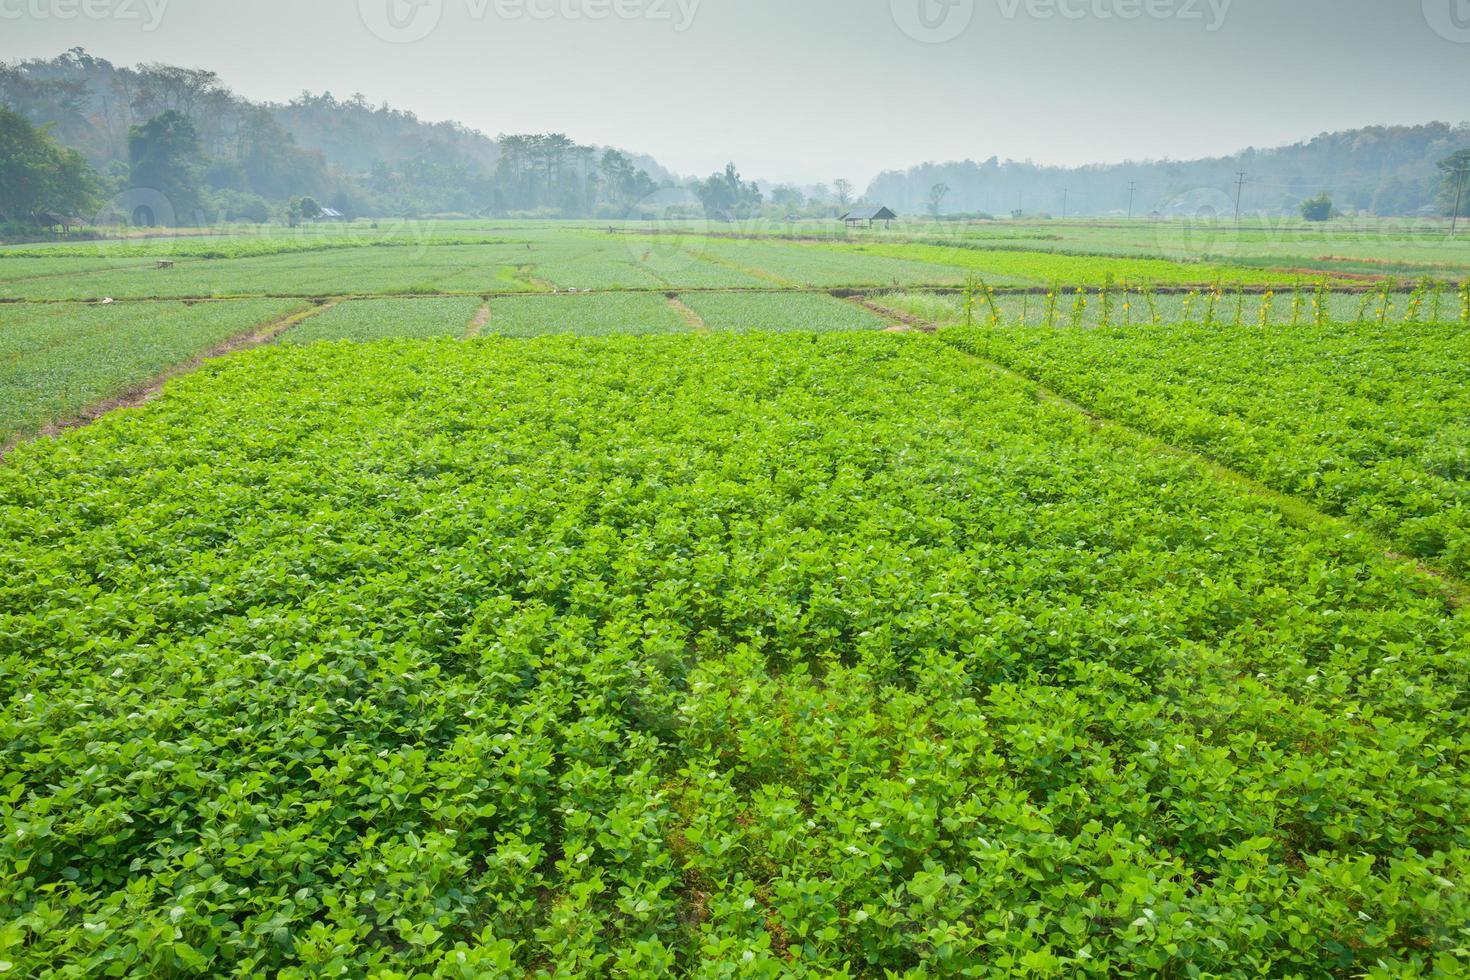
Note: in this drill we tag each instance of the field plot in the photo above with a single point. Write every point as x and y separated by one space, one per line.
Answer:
1003 267
591 264
818 656
780 313
58 358
377 319
1137 306
1368 421
828 267
613 313
1405 248
16 269
396 269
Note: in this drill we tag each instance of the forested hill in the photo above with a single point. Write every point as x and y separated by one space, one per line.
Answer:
360 158
1388 170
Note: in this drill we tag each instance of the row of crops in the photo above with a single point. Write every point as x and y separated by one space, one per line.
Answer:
759 655
576 261
1371 422
57 359
60 360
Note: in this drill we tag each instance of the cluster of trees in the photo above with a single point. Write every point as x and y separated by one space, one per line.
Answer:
39 178
1385 170
551 173
226 158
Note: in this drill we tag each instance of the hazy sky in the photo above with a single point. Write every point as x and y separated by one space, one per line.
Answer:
816 89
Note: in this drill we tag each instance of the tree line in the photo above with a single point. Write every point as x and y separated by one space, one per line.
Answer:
219 157
1381 170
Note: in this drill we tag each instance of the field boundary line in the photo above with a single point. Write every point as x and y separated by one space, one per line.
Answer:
144 392
692 319
764 275
547 288
1295 510
908 320
482 317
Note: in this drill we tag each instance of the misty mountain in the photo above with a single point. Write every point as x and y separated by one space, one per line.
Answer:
371 160
361 158
1388 170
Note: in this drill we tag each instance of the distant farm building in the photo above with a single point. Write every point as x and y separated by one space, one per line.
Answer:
330 214
64 222
871 216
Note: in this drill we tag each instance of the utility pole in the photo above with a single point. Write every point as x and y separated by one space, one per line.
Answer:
1064 204
1459 196
1239 189
1132 188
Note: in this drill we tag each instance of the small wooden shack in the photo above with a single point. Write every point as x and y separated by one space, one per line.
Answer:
870 215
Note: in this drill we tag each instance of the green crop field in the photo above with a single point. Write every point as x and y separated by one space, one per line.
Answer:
56 359
780 312
376 319
596 315
1366 420
781 644
625 600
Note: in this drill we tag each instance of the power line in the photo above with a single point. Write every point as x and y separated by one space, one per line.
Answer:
1459 196
1132 188
1239 190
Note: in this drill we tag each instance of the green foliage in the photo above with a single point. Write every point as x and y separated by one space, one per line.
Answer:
760 656
1007 267
165 158
587 316
376 319
58 359
37 175
1367 420
1318 208
726 195
780 313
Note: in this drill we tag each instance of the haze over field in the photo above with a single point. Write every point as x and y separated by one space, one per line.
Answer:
811 91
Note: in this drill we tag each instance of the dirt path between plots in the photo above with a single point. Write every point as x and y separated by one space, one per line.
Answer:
145 392
482 317
694 321
907 322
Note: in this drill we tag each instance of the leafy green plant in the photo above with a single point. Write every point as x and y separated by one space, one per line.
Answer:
363 320
59 359
780 313
1382 445
766 655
